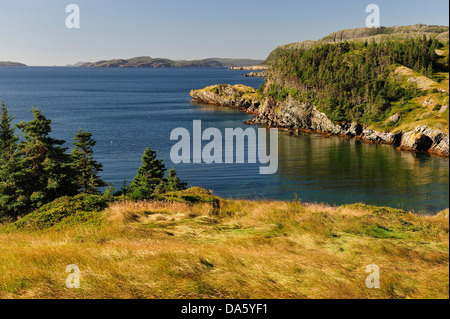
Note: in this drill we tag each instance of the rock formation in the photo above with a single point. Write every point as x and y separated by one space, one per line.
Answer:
294 115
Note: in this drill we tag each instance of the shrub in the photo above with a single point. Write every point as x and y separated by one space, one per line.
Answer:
66 210
192 195
375 210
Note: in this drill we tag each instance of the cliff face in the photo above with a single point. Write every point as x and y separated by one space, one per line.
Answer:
294 115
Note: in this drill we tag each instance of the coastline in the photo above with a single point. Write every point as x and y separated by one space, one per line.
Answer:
292 115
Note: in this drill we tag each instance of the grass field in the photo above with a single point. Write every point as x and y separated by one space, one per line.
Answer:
229 249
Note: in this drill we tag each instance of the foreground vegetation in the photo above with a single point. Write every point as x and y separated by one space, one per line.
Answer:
36 169
191 244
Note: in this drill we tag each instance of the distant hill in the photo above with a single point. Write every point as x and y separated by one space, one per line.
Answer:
9 63
148 62
440 33
76 64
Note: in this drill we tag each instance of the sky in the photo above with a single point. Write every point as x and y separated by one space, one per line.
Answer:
35 32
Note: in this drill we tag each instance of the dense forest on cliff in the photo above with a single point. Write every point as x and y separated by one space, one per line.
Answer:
356 80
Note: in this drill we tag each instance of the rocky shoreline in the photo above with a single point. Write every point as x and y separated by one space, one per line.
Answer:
260 74
250 68
293 115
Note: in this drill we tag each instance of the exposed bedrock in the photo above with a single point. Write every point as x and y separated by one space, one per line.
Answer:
294 115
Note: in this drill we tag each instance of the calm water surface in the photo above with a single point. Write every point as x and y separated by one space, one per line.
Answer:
131 109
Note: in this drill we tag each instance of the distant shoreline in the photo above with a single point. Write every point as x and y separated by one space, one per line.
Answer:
149 62
9 63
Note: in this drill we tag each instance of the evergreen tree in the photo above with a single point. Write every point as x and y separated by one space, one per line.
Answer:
355 76
11 172
48 168
8 139
148 177
87 169
13 202
173 182
170 184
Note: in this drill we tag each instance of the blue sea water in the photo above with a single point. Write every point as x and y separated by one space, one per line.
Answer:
131 109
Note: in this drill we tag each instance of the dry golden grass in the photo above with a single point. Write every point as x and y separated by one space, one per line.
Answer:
244 250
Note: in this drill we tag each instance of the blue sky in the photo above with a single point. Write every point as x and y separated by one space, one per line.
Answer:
34 32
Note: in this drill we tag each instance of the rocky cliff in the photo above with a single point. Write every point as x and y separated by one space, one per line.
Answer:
261 74
296 116
380 85
250 68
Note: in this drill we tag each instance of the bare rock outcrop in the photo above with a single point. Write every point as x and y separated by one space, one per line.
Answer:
426 139
237 96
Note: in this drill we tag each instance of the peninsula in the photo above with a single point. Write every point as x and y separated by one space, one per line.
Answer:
385 85
9 63
148 62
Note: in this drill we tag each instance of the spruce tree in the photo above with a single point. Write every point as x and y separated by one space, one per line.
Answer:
49 172
86 168
149 175
11 170
8 139
173 182
170 184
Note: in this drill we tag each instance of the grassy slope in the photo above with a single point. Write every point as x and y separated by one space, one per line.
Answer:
238 249
426 109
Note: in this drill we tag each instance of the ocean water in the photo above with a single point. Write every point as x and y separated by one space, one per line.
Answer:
131 109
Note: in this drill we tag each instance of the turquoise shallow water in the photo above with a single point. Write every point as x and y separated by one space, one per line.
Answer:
131 109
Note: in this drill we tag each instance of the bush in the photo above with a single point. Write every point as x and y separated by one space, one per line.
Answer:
437 107
66 210
192 195
375 209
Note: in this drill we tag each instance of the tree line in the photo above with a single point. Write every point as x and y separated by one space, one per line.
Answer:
352 81
36 169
